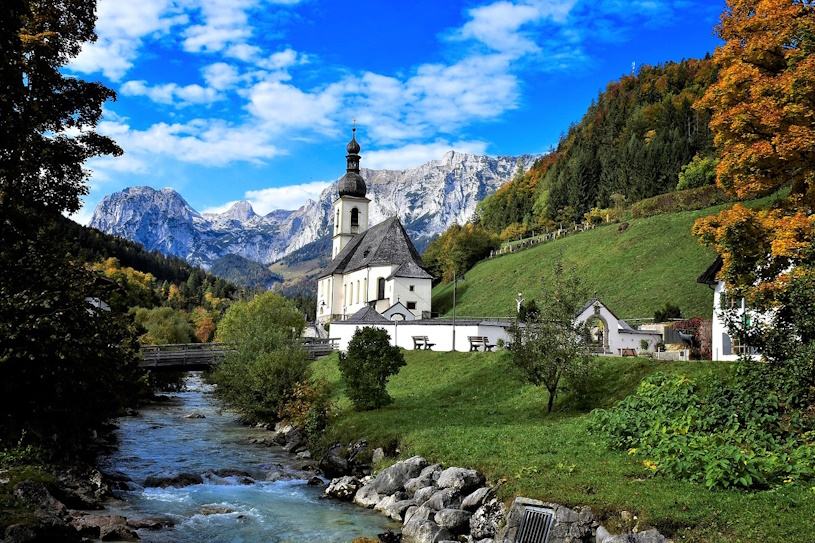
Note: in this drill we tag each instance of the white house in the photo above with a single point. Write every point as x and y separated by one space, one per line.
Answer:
376 267
610 334
724 346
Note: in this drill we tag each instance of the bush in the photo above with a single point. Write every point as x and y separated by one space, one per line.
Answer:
698 173
728 436
366 367
686 200
257 379
309 407
259 387
670 311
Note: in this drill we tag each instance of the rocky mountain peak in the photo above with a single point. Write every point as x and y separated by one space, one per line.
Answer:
427 199
241 211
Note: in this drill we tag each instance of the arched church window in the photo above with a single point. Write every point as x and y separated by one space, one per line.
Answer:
355 220
380 290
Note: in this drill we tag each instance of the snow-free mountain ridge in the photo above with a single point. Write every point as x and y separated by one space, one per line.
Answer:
427 199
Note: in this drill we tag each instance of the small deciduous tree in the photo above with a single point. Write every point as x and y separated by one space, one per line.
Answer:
367 366
163 325
459 249
267 364
552 349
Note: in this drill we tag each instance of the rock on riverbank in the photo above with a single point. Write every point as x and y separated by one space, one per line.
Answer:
67 509
437 505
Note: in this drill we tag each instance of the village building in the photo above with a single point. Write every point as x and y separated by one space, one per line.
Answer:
377 267
608 334
723 345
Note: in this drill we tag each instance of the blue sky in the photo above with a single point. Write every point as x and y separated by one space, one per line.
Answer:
225 100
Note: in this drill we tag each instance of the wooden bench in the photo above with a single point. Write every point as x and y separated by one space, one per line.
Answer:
478 341
420 342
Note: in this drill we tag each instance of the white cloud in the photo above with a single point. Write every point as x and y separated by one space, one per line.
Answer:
167 93
121 25
220 76
283 60
282 106
207 142
83 216
104 168
416 154
224 23
290 197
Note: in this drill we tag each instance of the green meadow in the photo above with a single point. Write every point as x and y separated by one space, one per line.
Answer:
468 409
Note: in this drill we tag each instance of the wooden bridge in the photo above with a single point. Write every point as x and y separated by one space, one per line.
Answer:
184 356
202 356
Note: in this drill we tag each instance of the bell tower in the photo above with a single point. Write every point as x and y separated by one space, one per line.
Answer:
351 208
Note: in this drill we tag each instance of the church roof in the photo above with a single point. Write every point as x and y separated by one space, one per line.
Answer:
366 315
410 270
385 244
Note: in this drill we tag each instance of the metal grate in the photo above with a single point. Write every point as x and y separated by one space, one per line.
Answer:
535 525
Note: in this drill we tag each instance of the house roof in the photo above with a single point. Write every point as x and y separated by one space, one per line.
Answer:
367 315
385 244
708 277
597 301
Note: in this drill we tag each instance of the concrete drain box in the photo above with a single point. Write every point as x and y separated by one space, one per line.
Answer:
535 525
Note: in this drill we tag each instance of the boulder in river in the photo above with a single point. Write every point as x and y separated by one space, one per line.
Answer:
179 481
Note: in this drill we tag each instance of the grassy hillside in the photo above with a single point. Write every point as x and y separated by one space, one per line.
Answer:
467 409
635 271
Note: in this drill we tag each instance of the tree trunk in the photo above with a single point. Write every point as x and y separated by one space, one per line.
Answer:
551 400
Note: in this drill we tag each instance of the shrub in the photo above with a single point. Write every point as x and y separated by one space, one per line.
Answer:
686 200
728 436
670 311
259 387
259 376
308 406
366 367
698 173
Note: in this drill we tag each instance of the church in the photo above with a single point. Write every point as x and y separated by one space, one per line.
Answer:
372 268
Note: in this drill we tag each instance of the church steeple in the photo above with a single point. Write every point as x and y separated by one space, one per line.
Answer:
351 208
352 183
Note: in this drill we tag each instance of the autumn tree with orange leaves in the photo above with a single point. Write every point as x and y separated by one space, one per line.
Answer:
763 119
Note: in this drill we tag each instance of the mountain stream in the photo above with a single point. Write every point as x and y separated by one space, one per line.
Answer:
250 492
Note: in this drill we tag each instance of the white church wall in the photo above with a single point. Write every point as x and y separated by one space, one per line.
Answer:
356 291
419 295
441 335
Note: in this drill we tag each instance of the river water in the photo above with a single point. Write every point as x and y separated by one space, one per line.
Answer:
275 505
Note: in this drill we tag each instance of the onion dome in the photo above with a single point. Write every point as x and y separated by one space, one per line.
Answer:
353 147
352 183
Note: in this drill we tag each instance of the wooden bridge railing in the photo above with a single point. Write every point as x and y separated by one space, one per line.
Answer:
189 356
183 356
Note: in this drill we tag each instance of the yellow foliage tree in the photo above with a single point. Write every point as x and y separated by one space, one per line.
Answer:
762 118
